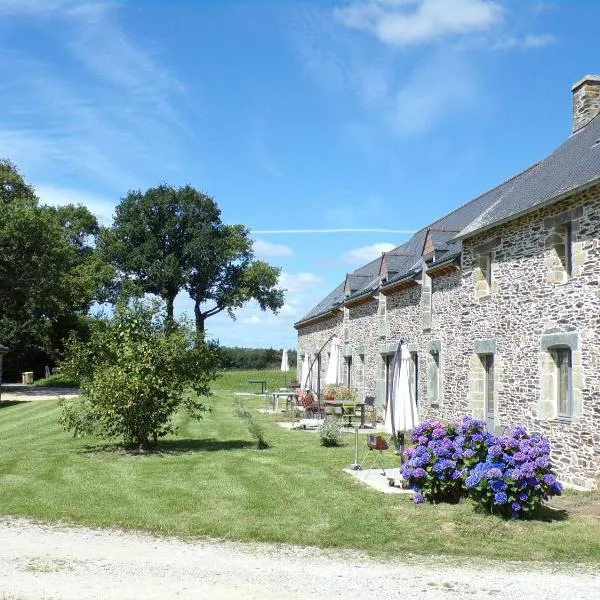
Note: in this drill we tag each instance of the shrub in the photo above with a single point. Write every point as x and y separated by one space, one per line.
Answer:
339 391
516 475
330 432
135 375
443 454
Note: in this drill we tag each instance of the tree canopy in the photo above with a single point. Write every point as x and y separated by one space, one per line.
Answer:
167 240
50 272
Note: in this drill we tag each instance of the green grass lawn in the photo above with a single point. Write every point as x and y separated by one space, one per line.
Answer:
209 480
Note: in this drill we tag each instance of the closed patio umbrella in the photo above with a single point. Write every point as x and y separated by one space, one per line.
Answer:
306 380
284 365
402 414
333 374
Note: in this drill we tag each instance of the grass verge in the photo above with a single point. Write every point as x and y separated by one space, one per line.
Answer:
211 481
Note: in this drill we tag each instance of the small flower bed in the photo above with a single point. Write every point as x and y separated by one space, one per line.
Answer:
443 454
515 476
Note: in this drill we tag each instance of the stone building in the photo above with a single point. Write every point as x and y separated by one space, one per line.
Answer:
498 302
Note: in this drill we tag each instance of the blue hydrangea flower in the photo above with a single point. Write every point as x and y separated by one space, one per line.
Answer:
500 498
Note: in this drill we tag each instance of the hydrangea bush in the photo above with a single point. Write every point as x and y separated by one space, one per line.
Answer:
515 476
442 458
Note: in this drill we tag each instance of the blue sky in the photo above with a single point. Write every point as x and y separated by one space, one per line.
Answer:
304 116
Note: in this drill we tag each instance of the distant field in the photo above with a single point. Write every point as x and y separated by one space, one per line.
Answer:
237 381
211 481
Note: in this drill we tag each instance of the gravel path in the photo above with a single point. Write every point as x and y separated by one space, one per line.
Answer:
60 562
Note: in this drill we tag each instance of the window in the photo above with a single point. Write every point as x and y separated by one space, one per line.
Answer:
563 247
387 366
349 371
563 386
414 375
434 378
487 361
485 264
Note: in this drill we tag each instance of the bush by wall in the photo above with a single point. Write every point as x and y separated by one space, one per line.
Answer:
516 475
509 475
443 454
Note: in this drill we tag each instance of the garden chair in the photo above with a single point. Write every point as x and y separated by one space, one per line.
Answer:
310 406
376 446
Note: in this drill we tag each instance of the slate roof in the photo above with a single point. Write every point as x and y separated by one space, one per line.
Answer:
573 165
333 299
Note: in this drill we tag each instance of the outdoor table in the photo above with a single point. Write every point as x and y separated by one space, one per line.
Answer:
263 384
287 395
355 405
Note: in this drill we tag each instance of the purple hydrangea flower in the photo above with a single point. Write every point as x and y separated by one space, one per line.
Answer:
418 498
494 473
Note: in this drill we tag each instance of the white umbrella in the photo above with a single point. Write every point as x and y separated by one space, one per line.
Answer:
306 380
284 365
333 374
402 413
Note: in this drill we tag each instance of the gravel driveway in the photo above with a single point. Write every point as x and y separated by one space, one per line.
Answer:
52 562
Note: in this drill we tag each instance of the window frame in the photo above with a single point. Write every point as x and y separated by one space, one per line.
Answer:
565 231
563 360
489 388
435 361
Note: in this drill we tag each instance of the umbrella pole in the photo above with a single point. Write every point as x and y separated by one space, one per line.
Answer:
355 466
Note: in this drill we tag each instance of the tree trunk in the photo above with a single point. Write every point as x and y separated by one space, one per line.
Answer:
169 321
200 318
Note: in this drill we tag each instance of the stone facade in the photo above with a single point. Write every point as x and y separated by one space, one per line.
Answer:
525 312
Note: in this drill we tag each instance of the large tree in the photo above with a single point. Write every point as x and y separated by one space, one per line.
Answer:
167 240
50 273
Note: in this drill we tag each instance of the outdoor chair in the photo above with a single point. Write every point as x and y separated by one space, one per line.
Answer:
310 406
376 446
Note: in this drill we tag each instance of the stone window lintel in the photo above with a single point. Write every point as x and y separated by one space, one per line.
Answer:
434 346
487 346
569 339
488 246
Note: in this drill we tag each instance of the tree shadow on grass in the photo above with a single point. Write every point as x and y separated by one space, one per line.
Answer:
6 403
166 447
547 514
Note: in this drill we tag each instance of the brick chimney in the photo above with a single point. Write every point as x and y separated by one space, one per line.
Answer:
586 100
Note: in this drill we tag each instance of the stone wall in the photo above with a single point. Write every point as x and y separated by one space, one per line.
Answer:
535 306
362 344
312 337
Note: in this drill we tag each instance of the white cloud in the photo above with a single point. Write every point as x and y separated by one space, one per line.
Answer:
266 249
366 253
56 196
300 282
408 22
525 43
